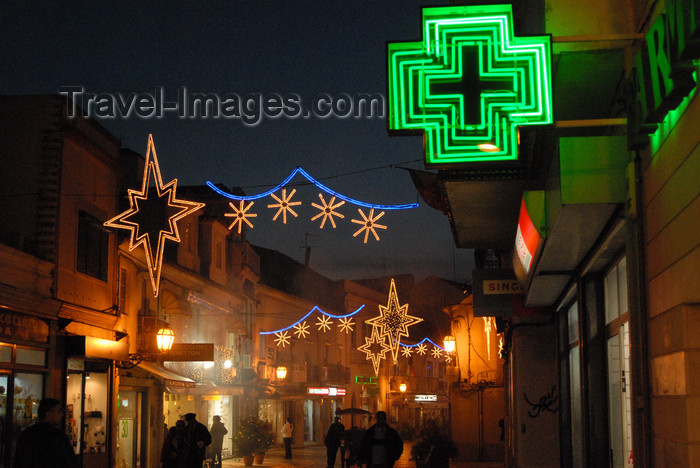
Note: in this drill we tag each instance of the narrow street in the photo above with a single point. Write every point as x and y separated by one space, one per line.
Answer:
315 456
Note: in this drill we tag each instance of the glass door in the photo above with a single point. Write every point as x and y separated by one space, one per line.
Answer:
129 407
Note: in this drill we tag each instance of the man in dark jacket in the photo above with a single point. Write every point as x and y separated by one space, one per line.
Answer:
381 445
197 437
333 438
44 444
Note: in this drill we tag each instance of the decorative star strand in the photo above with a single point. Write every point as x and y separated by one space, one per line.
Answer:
327 210
448 358
393 320
375 348
324 323
313 309
406 351
154 217
436 352
346 324
284 205
241 215
369 224
302 329
421 349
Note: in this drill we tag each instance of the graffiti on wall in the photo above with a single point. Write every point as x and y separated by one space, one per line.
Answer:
547 402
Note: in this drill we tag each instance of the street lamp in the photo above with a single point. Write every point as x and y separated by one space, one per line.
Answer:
164 339
281 372
402 387
449 342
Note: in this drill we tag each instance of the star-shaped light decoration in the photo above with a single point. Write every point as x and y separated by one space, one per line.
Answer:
153 215
406 351
302 329
369 224
448 358
346 324
324 323
436 352
375 348
327 210
421 349
241 215
282 339
284 205
393 320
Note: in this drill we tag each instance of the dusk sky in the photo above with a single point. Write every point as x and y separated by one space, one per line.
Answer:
252 48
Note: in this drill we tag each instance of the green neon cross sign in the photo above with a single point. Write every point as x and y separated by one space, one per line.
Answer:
469 84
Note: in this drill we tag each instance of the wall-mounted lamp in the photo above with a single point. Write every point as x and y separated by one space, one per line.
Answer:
449 342
281 373
164 339
402 387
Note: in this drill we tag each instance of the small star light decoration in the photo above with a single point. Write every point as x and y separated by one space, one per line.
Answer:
369 224
284 205
393 321
153 215
240 215
436 352
346 325
327 210
282 339
406 351
421 349
301 330
324 323
375 348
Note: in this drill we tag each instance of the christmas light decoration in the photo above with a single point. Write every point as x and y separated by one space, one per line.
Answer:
421 344
282 339
393 320
469 84
406 351
421 349
448 358
346 325
284 205
324 323
501 351
313 309
241 215
327 210
436 352
487 330
369 224
153 215
319 185
375 348
302 329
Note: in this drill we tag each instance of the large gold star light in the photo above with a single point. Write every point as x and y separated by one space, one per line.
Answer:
375 348
393 321
153 215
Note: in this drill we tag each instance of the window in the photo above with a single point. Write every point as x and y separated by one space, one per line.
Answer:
93 247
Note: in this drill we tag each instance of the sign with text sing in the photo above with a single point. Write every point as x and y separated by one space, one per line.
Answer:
494 291
190 352
469 84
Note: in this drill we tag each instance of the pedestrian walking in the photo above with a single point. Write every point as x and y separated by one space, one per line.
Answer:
332 440
381 445
198 437
287 431
174 450
44 444
217 431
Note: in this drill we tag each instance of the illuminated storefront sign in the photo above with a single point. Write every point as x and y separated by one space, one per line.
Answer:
425 398
526 239
664 74
366 380
469 84
327 391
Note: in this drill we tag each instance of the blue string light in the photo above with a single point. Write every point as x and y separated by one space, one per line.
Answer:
314 309
421 342
318 184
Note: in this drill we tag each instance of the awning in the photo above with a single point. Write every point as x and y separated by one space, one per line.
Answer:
171 379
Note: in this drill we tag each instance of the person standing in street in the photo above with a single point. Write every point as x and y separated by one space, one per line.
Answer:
44 444
217 431
197 437
287 431
332 441
381 445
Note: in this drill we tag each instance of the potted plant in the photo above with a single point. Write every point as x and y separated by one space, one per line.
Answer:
254 436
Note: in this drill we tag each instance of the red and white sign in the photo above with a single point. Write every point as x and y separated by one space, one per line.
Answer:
327 391
526 239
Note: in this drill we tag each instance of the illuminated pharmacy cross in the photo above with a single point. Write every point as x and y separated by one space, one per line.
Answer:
469 84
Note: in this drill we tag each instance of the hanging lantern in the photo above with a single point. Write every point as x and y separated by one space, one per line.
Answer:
402 387
281 372
164 339
449 342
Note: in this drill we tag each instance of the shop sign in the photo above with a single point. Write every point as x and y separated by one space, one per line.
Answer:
527 239
190 352
664 74
366 380
327 391
425 398
494 291
179 383
507 286
23 327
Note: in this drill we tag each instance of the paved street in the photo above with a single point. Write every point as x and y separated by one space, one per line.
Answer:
316 457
